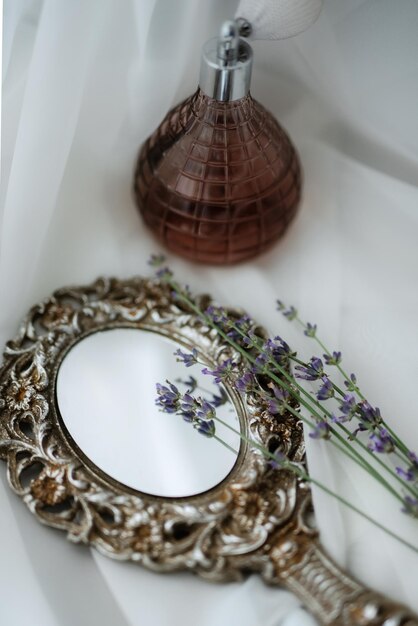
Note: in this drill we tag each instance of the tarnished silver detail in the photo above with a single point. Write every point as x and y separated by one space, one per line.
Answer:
256 519
225 70
244 27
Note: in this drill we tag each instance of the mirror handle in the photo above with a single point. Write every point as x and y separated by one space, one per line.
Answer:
301 565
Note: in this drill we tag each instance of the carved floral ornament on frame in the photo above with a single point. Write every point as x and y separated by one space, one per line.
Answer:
257 519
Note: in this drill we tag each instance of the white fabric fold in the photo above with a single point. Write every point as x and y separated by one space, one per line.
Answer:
49 114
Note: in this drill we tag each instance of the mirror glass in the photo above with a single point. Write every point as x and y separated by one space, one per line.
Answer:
106 391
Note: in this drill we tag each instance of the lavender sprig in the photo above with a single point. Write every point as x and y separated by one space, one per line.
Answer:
331 359
411 473
264 359
335 359
188 358
197 411
349 406
322 430
364 411
260 365
156 260
381 442
276 460
223 372
314 370
411 506
371 419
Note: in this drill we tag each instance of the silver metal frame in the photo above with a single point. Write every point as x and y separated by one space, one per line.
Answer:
256 519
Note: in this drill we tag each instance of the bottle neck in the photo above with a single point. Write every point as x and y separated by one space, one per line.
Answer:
209 110
225 79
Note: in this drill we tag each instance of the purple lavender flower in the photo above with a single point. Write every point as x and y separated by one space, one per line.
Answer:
188 416
188 408
333 359
217 314
206 428
260 363
156 260
278 460
411 473
196 411
348 407
410 506
223 372
310 330
352 383
321 430
252 340
241 327
405 474
184 292
369 416
246 383
168 397
413 457
164 273
206 411
188 358
381 442
338 419
291 313
326 391
312 370
282 344
277 350
188 399
277 404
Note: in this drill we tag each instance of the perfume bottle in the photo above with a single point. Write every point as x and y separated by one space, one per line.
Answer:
219 180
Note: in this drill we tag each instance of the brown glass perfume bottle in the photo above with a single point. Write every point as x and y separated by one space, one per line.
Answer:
219 180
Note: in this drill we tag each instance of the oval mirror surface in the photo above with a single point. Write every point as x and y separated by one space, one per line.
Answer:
106 391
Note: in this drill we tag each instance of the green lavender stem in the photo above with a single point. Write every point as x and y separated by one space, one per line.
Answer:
299 416
360 461
303 475
298 471
348 449
359 443
357 389
306 477
349 452
276 379
382 464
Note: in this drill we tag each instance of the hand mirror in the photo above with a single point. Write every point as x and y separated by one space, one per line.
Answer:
89 452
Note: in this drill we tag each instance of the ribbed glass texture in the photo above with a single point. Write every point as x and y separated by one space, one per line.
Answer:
218 182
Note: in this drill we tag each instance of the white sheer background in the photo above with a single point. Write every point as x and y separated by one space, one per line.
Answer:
84 82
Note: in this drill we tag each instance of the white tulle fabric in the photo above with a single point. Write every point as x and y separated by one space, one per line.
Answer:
271 19
83 84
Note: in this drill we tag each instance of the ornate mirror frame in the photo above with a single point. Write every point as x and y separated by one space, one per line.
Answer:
257 519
